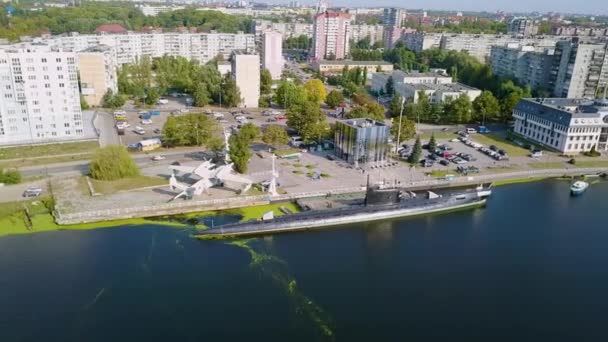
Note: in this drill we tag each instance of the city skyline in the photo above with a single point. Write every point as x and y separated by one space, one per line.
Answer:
591 7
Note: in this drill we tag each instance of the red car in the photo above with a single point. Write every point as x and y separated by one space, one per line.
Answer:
280 117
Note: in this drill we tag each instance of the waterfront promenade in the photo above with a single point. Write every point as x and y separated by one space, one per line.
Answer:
127 210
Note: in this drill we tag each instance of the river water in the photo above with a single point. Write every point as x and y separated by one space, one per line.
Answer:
531 266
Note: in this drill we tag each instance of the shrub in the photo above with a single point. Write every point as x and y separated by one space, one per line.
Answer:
111 163
10 176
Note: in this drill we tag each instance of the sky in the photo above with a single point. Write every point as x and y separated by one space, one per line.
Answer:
566 6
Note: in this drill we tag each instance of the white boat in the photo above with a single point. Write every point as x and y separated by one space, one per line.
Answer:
578 187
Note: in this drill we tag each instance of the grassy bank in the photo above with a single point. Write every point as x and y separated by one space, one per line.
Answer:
13 220
518 181
47 150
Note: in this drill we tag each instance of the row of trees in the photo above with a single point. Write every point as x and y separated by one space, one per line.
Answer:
147 79
10 176
88 16
111 163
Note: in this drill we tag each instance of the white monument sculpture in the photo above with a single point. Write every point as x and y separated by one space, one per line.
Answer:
210 175
272 187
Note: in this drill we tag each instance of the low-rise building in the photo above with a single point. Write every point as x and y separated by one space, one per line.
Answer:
329 67
570 126
361 141
436 85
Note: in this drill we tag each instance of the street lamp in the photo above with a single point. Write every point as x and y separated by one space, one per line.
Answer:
399 128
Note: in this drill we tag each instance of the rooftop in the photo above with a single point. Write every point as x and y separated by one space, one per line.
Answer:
111 28
350 62
455 87
363 123
561 111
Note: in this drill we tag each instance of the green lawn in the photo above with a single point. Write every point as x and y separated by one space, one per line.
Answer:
591 163
438 135
441 173
12 220
288 151
500 142
110 187
43 161
47 150
502 168
547 165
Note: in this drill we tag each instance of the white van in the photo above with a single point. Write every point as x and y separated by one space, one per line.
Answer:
471 131
295 141
163 101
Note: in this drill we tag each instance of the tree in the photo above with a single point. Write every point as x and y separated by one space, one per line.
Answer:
334 99
408 129
370 110
111 100
192 129
265 81
264 101
414 158
275 135
249 132
316 91
111 163
308 120
485 106
240 152
289 94
84 105
459 110
231 95
201 96
432 143
394 107
11 176
152 96
390 86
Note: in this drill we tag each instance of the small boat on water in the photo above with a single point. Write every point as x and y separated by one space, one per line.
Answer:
578 188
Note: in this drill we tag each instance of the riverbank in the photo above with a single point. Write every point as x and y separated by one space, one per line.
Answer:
15 221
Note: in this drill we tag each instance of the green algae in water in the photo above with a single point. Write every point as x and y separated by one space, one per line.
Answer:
276 269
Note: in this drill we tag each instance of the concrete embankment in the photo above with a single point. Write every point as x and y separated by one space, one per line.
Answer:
124 211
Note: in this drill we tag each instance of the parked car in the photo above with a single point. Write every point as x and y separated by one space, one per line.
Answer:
146 122
281 117
444 162
32 192
139 130
427 163
158 131
159 158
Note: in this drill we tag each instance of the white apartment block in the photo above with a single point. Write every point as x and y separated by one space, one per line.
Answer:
529 64
571 126
272 53
152 11
375 33
131 47
288 30
420 41
581 68
480 45
246 73
39 96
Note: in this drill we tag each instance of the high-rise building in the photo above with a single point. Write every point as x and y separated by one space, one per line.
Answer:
393 17
331 33
97 68
392 20
580 68
39 97
523 27
272 53
529 64
246 73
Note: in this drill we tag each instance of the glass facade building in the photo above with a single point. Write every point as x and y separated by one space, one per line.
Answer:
361 141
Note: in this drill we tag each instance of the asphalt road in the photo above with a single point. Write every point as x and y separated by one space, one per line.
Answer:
82 167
